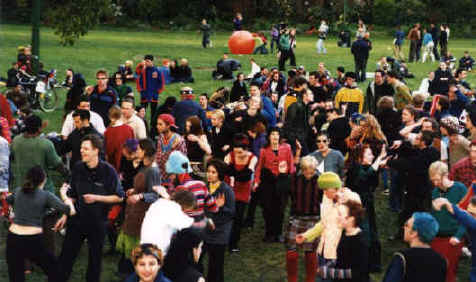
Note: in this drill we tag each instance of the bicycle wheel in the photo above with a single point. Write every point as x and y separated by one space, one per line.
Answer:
48 100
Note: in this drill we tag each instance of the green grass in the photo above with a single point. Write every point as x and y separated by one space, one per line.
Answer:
109 48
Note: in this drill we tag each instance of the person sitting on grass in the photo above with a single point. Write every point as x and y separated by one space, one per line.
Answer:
466 62
183 72
225 68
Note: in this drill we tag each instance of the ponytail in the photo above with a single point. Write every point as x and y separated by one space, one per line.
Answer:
34 177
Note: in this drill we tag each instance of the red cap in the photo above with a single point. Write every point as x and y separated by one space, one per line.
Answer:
169 119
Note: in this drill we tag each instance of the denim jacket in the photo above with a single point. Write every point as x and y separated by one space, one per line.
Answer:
4 164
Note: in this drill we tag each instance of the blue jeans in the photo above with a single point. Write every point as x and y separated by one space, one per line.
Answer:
320 46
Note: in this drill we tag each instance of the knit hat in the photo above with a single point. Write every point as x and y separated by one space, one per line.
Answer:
426 226
329 180
451 124
131 144
178 163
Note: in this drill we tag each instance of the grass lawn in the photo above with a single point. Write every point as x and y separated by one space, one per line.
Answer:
109 48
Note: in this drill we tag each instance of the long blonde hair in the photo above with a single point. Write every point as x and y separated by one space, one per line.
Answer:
372 129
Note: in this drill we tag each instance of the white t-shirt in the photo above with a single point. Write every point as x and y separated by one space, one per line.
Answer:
161 221
95 120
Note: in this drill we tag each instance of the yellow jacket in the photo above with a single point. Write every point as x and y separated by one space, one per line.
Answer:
352 96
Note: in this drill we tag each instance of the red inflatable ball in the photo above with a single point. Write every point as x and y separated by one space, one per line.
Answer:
241 42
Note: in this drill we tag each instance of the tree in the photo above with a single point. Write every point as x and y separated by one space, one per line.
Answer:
73 19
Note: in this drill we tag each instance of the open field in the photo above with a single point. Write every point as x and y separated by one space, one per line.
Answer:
107 49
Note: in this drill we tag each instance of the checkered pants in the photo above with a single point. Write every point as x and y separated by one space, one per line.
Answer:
297 225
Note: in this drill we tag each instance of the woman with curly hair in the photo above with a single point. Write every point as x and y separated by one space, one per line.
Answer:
367 131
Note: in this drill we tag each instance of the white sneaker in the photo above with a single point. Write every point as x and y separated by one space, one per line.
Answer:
466 252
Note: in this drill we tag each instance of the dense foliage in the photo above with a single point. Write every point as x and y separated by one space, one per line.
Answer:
72 19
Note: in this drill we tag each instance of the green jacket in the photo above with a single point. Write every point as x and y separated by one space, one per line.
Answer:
284 42
449 226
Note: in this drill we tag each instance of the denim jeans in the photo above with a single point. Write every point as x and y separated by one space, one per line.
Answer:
320 46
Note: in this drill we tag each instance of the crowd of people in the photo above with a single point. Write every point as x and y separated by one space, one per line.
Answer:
167 191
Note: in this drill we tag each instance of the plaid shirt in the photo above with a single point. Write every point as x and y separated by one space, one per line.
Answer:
463 171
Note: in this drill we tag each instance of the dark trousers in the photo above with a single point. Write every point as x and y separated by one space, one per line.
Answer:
413 203
418 50
360 68
153 107
32 247
413 51
49 236
443 48
285 55
274 204
216 262
396 191
205 41
240 208
75 235
250 215
435 50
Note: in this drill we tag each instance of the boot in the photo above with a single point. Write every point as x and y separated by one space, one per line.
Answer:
311 266
292 265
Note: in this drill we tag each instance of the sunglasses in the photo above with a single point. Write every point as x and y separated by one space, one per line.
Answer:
330 110
101 78
321 141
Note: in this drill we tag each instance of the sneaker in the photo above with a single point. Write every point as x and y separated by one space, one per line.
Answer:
466 252
386 192
234 250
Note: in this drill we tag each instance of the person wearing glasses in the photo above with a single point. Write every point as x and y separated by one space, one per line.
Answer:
148 261
328 159
420 262
102 97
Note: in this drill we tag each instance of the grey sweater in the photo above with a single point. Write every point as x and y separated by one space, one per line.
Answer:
30 208
334 161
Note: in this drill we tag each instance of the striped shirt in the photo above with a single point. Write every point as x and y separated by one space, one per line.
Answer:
203 198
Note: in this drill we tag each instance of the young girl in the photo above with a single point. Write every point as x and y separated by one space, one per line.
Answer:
148 260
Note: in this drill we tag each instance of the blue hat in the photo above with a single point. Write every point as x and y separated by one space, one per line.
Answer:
178 163
426 226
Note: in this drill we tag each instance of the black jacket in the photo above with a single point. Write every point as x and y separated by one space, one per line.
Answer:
238 90
361 49
73 143
440 84
413 164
